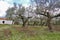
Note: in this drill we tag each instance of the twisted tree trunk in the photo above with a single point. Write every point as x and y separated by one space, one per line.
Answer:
49 24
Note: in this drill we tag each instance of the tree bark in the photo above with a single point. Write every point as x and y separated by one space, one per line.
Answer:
49 24
24 22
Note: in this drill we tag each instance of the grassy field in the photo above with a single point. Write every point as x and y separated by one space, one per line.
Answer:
16 32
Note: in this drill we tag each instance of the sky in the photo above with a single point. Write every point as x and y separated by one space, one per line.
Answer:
5 4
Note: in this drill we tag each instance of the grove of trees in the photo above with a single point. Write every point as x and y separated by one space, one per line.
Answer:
42 7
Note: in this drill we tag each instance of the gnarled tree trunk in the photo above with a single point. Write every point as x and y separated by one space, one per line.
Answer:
25 22
49 24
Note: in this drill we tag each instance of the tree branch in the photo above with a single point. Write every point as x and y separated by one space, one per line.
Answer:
58 15
43 14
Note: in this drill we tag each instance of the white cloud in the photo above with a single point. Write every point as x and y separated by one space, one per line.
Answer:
8 1
5 4
3 7
2 14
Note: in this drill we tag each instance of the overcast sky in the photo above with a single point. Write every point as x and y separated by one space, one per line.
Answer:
5 4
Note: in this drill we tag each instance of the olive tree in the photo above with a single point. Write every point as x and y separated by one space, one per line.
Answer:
43 7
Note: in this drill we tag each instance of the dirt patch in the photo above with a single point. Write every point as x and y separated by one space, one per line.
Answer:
56 27
26 30
7 32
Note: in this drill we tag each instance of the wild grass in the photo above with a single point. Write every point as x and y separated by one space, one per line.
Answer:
15 32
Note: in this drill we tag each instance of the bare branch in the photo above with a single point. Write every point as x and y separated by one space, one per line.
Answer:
43 14
58 15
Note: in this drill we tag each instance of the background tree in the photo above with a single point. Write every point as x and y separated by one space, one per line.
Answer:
16 14
11 13
21 14
43 7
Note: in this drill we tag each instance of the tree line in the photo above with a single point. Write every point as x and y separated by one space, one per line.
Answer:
44 8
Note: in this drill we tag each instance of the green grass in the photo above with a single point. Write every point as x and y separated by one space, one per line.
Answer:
41 33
